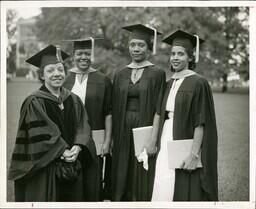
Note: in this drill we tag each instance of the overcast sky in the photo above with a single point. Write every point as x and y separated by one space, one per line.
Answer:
27 13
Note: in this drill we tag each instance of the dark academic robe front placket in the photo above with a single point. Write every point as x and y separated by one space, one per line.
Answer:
94 175
145 116
92 170
175 115
162 113
92 107
125 85
147 111
119 180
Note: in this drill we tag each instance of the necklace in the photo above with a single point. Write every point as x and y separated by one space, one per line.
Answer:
136 75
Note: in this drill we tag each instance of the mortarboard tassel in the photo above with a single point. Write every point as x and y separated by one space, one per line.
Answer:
197 49
92 53
58 54
155 39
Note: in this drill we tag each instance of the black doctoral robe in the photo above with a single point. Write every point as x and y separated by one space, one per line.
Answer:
151 86
44 132
98 106
194 106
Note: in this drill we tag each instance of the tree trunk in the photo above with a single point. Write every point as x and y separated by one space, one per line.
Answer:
225 82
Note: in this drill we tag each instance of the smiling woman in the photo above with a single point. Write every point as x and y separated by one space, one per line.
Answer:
94 89
187 112
53 129
53 76
82 58
179 58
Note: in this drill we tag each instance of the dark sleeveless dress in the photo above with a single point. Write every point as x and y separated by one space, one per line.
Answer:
134 105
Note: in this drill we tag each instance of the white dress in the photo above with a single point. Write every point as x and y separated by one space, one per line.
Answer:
80 85
165 177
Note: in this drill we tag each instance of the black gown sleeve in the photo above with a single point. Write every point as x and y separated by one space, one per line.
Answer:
202 105
162 83
108 97
83 132
38 141
199 105
204 114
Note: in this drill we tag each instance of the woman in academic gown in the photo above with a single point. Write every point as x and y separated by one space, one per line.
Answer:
187 113
94 88
53 126
137 90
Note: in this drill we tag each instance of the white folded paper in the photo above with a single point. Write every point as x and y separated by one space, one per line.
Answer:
98 138
141 136
178 150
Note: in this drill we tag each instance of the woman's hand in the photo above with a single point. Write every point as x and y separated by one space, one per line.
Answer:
111 147
66 154
151 148
190 163
72 154
105 149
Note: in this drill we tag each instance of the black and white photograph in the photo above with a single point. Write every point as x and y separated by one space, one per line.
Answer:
124 104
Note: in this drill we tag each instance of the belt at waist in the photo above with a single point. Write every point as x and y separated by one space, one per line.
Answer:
133 105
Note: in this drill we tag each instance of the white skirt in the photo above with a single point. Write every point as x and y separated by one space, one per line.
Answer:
164 177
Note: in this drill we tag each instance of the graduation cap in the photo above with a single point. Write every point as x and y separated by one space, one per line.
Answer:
85 43
49 55
186 40
139 31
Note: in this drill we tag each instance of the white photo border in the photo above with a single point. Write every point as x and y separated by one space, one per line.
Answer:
252 97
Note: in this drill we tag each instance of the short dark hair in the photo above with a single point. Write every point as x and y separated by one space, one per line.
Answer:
150 45
192 63
40 73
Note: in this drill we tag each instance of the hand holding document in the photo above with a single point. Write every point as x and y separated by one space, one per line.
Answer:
98 138
178 150
143 157
141 136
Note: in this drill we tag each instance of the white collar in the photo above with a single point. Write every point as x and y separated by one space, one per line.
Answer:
183 74
77 71
142 64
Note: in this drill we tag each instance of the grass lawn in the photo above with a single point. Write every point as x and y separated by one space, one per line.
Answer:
232 113
17 90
